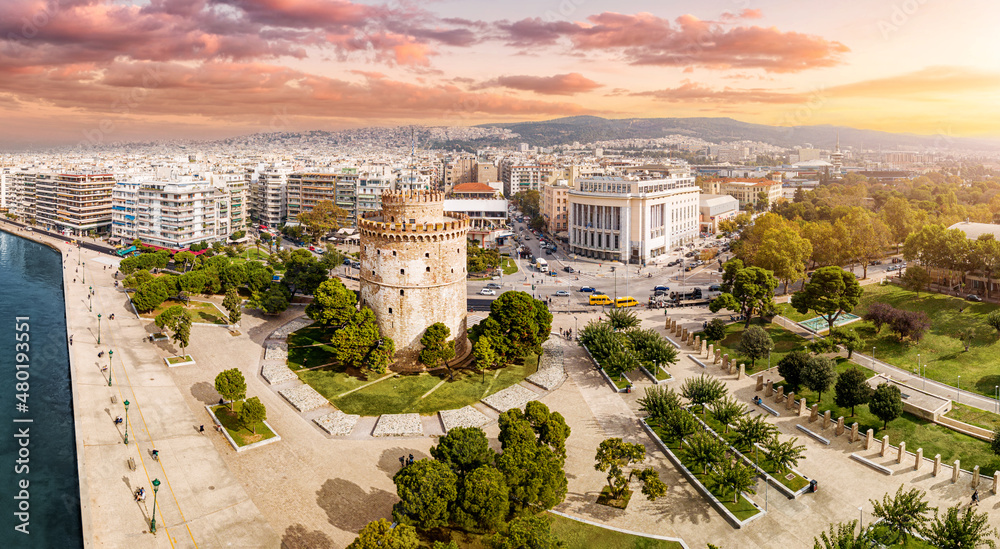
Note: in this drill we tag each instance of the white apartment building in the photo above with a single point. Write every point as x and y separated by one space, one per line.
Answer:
73 203
178 213
269 195
124 198
518 177
637 220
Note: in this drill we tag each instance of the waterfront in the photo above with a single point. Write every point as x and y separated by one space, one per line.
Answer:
33 288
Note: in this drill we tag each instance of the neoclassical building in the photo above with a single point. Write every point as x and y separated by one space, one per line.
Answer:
413 270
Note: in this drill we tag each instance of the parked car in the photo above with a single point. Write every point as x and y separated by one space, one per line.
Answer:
493 285
587 289
974 297
487 291
562 293
569 269
891 268
347 262
659 288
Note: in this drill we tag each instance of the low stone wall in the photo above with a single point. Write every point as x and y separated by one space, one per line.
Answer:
965 428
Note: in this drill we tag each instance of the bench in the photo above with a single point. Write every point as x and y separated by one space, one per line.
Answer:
700 363
815 436
131 463
672 342
114 399
880 468
770 410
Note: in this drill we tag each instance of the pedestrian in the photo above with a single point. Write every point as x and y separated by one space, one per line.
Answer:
402 461
201 428
410 461
975 497
70 339
100 354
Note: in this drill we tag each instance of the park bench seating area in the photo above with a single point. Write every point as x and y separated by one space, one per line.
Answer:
698 362
814 436
880 468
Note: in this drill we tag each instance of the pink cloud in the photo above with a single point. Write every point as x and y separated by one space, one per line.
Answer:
691 92
560 84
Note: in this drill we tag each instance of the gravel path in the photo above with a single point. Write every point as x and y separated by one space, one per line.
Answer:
399 425
463 417
303 398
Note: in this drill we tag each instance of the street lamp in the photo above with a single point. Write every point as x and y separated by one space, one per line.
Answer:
126 422
861 526
84 267
996 390
958 393
90 293
98 328
873 358
576 324
152 522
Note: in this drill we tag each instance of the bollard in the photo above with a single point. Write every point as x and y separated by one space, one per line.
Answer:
975 477
802 406
870 439
768 388
854 432
725 362
697 342
937 464
885 446
718 358
732 367
779 394
790 400
814 413
684 334
901 451
760 382
704 348
996 479
743 372
956 470
840 426
826 419
920 459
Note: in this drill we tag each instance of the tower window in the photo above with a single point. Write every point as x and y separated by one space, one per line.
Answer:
390 310
428 269
427 255
402 271
401 292
373 272
378 252
394 253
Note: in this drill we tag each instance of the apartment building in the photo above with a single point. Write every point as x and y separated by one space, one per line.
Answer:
714 209
178 213
554 206
124 200
269 195
747 191
369 192
519 177
23 194
486 172
74 203
457 170
619 219
305 190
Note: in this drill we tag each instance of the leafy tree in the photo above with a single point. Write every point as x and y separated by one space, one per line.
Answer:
916 278
849 339
784 455
995 442
360 345
437 349
886 403
993 321
178 321
910 324
753 430
259 276
659 401
819 375
678 423
784 252
880 314
613 456
481 259
550 426
822 345
274 301
464 449
527 532
704 451
380 534
830 292
904 514
332 258
231 385
333 304
252 412
518 325
755 343
737 476
957 530
303 272
716 330
324 218
727 410
426 490
967 336
864 237
529 462
852 389
234 305
483 500
485 356
137 278
791 367
843 536
703 390
651 348
747 291
622 319
150 295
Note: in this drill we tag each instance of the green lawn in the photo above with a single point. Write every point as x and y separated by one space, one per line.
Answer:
578 535
974 416
201 310
509 266
399 394
624 381
796 483
784 343
786 310
179 359
243 436
742 509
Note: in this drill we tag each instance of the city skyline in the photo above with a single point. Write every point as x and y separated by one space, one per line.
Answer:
100 70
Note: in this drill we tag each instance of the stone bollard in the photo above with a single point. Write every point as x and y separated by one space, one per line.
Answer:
760 383
996 480
937 464
743 372
920 459
956 470
732 367
814 413
840 426
826 419
768 388
802 407
885 446
704 349
870 438
779 394
718 357
854 432
697 342
684 335
901 451
790 400
975 477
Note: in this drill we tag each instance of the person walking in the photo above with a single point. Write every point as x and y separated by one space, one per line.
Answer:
975 497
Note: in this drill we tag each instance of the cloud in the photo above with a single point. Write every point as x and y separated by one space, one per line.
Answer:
560 84
691 92
930 83
645 39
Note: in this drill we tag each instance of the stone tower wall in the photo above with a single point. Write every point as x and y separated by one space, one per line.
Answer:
413 275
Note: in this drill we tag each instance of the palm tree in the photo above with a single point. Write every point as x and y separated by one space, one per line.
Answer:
678 423
784 455
622 319
705 450
753 430
968 531
703 390
737 476
842 536
905 513
727 410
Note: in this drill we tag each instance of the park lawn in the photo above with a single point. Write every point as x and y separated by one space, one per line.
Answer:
940 350
974 416
579 535
202 311
785 342
786 310
659 372
742 509
180 359
308 348
796 483
508 265
231 421
842 365
624 380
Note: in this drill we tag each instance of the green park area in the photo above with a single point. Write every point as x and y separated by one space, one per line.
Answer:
785 342
508 265
940 349
349 389
201 311
180 359
231 422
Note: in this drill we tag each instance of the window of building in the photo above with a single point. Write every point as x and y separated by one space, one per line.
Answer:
390 310
427 255
401 292
402 271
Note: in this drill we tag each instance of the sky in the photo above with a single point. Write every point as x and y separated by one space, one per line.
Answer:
99 71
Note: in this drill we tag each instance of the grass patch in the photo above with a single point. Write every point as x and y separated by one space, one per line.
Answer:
742 509
231 421
796 483
180 359
786 310
606 499
974 416
202 311
624 380
785 342
508 265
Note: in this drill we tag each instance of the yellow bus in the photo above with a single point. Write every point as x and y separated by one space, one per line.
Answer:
626 302
600 299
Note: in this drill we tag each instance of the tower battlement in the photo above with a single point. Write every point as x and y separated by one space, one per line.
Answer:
411 197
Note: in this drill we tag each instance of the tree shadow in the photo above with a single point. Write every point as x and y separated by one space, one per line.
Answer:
205 392
298 537
389 460
986 384
348 507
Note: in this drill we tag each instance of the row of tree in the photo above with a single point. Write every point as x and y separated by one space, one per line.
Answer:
355 337
619 346
233 387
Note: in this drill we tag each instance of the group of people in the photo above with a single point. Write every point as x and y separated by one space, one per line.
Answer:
404 461
567 333
140 494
